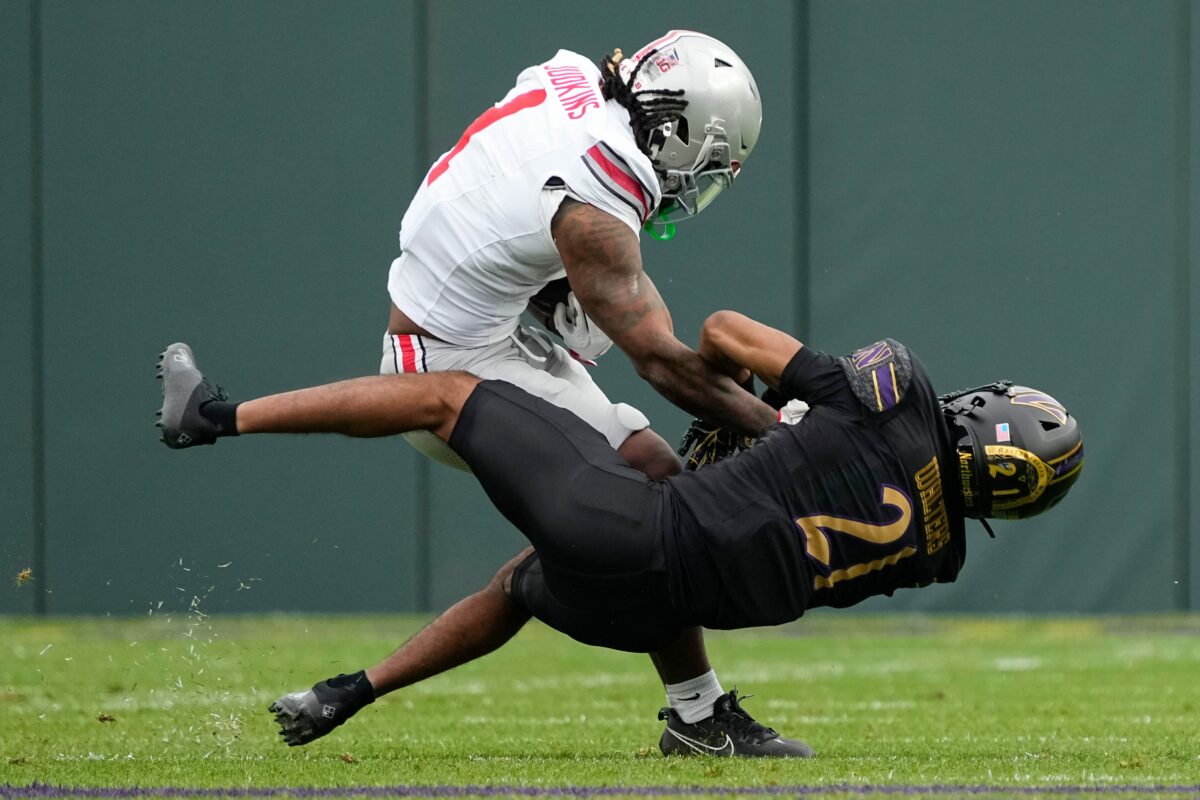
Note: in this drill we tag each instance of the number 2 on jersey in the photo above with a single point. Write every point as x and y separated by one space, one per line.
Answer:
491 116
820 529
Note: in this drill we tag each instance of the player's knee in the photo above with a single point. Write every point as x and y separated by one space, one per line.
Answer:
457 387
649 453
452 392
503 579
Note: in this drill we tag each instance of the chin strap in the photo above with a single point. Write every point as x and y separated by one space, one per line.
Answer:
982 503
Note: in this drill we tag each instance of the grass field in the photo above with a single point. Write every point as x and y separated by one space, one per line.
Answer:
891 704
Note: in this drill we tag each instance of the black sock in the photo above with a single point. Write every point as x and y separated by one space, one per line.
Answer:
222 415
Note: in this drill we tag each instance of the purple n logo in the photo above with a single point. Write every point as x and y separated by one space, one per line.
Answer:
871 355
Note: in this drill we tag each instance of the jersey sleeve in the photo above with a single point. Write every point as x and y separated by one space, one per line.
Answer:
880 374
815 378
606 180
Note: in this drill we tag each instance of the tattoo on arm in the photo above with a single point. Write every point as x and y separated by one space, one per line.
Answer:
604 264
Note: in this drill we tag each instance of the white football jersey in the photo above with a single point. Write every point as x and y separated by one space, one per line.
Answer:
476 241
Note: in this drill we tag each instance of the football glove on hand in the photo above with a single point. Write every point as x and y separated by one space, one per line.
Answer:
705 444
790 411
582 337
793 411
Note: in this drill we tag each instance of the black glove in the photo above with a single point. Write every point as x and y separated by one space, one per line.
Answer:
305 716
774 399
543 304
705 444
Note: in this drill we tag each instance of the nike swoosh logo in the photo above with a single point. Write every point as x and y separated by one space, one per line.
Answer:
696 696
701 747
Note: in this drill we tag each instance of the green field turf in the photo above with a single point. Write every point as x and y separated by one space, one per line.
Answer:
886 701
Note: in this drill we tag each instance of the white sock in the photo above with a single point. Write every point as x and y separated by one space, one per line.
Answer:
693 699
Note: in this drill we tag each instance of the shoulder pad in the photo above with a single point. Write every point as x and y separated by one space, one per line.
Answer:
879 374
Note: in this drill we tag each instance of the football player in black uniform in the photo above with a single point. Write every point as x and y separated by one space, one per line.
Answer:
866 494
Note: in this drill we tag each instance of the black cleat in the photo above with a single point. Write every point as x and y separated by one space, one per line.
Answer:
184 391
305 716
730 731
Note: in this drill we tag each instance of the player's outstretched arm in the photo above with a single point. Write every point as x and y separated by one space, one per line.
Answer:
734 343
604 265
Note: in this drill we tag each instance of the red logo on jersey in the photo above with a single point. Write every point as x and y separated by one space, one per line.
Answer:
574 90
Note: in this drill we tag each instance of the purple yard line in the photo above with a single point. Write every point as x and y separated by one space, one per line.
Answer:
50 790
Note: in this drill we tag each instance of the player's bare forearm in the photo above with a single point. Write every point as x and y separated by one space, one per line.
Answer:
691 383
604 263
733 341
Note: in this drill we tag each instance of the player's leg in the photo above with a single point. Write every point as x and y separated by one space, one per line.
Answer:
470 629
698 705
363 407
648 452
195 413
560 483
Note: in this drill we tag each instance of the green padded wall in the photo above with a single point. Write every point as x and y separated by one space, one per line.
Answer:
1190 518
232 175
999 186
17 483
1009 188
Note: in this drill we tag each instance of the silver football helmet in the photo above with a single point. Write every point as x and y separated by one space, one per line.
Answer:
699 155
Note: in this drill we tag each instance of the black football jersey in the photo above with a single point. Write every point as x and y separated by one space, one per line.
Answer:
857 499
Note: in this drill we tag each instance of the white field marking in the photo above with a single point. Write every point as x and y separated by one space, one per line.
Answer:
160 702
1017 664
463 687
879 705
807 719
528 722
595 680
90 756
747 673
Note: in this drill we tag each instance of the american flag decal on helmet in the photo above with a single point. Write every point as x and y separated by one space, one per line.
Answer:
615 175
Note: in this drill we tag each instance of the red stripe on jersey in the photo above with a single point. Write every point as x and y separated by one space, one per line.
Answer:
623 178
492 115
408 355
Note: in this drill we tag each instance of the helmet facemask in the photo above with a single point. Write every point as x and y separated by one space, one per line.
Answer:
687 192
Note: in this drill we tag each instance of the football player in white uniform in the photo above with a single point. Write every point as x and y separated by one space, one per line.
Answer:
557 180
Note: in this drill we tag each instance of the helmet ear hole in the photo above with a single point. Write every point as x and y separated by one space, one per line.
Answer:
1048 425
681 129
720 63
